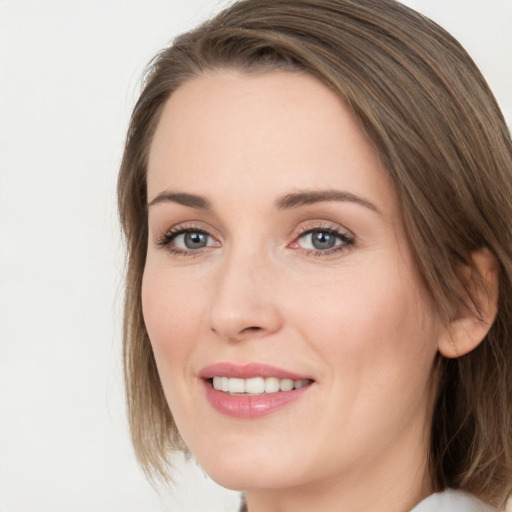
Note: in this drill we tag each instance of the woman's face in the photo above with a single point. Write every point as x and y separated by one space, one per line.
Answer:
277 259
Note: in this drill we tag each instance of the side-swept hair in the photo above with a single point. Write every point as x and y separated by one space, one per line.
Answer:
435 124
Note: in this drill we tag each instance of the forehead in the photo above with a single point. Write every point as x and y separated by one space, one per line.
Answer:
274 131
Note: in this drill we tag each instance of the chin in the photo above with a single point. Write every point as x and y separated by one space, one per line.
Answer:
240 470
249 478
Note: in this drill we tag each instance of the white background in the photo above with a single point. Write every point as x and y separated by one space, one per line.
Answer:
69 75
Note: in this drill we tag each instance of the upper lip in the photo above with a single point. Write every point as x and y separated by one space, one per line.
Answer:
248 371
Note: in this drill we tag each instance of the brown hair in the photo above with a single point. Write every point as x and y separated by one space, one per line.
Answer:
429 113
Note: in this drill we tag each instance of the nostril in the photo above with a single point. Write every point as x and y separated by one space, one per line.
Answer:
252 329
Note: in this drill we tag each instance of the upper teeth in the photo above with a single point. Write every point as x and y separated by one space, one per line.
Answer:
256 385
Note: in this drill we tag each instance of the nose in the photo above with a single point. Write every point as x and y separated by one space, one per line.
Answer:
244 302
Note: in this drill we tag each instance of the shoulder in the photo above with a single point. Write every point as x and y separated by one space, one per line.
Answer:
452 501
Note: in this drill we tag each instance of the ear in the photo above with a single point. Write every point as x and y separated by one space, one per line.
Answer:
469 328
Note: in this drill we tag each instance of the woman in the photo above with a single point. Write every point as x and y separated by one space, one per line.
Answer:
317 200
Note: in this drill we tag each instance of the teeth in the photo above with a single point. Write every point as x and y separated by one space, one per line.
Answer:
236 386
257 385
271 385
286 384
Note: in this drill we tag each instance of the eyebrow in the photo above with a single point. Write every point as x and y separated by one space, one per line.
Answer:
286 202
297 199
190 200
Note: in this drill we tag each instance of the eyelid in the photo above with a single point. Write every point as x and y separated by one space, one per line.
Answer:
346 236
322 225
167 236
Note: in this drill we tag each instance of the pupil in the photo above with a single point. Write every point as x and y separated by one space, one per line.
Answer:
195 240
323 240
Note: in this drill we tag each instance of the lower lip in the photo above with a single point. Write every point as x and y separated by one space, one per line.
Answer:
250 407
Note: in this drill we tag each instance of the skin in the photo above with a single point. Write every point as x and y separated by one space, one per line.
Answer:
357 320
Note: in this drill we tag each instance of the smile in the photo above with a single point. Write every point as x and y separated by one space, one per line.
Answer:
253 390
256 385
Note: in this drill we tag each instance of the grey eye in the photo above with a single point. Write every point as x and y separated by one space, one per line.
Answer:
323 240
194 239
191 240
320 240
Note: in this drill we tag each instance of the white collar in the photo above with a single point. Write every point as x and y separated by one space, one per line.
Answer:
452 501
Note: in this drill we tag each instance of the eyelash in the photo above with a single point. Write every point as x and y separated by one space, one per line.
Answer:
347 240
167 238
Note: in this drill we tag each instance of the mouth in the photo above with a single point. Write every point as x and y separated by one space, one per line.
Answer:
253 390
256 386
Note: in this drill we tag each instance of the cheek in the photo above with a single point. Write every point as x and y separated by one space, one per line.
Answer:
377 328
377 333
171 308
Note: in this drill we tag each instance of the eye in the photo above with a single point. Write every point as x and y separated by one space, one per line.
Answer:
320 240
191 240
187 240
323 240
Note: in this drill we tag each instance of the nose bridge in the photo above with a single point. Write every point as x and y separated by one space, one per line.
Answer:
242 303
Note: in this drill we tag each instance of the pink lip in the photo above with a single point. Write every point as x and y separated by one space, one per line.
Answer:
246 406
247 371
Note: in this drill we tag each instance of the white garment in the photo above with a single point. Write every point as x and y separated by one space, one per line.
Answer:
452 501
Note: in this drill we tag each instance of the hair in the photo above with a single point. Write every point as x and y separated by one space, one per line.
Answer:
438 130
